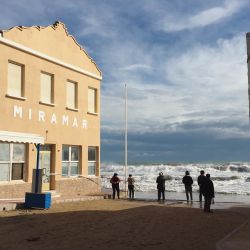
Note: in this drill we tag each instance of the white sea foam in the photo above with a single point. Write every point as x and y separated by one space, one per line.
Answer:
228 178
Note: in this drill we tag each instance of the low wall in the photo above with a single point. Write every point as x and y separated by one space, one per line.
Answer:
78 186
12 191
64 187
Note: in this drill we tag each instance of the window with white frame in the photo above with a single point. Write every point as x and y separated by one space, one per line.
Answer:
92 160
70 160
46 88
15 79
12 161
71 95
92 100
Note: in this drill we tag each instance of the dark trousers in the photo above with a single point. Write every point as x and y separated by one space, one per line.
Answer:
207 204
131 191
116 188
200 195
188 190
161 192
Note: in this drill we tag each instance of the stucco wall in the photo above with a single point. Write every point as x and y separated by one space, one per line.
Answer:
78 187
12 191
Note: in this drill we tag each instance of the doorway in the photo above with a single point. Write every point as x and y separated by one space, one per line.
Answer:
45 164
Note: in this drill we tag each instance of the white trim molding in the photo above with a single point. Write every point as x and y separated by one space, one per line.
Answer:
48 58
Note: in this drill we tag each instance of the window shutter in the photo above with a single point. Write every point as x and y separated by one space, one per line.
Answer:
14 80
46 88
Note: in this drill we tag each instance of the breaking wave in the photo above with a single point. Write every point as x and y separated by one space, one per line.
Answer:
228 178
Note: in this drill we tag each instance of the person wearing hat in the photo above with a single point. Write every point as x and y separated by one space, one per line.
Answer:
208 192
115 185
188 181
201 179
161 186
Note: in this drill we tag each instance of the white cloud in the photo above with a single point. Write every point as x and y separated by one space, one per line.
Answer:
212 77
138 66
178 22
205 85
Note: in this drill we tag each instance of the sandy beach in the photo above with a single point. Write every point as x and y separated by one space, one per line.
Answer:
122 224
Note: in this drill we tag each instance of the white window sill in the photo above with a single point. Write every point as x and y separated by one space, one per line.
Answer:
72 109
47 104
91 113
16 97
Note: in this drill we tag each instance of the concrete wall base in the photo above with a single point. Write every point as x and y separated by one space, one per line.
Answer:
68 187
78 186
13 191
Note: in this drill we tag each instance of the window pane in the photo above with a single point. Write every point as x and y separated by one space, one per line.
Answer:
92 154
65 169
4 152
91 168
71 95
91 100
4 172
17 171
74 153
18 152
74 168
65 153
46 88
14 80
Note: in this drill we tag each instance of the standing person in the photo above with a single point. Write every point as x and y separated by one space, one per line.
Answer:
161 186
131 187
188 181
201 179
115 185
208 192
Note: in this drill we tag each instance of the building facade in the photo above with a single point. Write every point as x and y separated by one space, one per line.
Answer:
50 94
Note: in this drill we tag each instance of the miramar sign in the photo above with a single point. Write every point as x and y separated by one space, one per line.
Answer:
65 120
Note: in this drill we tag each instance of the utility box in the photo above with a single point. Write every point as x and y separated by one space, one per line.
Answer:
35 200
39 180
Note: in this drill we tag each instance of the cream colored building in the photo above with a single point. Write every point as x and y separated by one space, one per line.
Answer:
49 94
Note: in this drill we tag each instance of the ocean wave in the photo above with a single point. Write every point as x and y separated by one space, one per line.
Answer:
226 178
244 169
229 178
221 167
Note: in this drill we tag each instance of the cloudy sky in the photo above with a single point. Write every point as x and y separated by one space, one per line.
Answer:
184 63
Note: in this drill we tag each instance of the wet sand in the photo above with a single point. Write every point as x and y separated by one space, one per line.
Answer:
120 224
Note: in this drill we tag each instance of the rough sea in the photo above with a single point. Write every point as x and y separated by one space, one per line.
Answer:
231 180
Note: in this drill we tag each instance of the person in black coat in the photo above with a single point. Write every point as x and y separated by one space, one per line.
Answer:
208 192
115 185
188 181
201 179
161 186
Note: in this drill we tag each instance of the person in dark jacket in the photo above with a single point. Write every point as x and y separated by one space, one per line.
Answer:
188 181
131 187
161 186
201 179
115 185
208 192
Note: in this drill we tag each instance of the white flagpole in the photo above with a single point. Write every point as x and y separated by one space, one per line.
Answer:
126 142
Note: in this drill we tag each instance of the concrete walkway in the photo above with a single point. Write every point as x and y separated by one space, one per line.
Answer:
12 204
